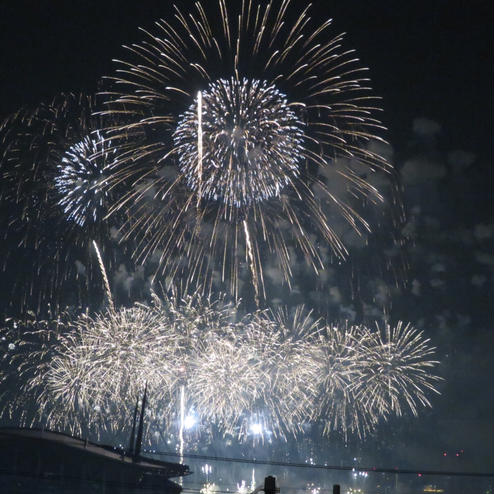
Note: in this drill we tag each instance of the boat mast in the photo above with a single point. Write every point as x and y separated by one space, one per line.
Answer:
133 433
140 431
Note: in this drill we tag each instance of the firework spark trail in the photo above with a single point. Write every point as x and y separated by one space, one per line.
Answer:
251 260
182 419
281 102
105 278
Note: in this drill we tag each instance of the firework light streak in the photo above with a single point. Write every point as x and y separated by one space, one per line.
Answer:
106 283
249 155
199 147
182 421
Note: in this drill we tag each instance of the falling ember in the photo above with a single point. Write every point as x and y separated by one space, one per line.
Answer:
105 277
251 261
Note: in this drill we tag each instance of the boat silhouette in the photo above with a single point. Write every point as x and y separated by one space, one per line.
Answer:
38 456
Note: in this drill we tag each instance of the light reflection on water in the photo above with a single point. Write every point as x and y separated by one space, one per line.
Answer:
242 479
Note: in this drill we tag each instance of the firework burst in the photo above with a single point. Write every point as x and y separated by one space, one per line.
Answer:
226 378
395 370
104 362
53 201
85 377
259 372
339 369
251 144
240 170
81 177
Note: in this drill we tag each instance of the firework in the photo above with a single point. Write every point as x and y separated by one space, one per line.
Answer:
54 199
365 376
104 362
27 347
264 376
237 172
256 378
252 143
395 371
81 177
56 157
227 378
285 342
86 376
339 371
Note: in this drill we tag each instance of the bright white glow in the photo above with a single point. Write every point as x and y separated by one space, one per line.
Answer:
253 480
256 428
209 488
189 421
242 488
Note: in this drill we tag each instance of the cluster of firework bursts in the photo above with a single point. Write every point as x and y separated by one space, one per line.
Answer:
227 140
263 375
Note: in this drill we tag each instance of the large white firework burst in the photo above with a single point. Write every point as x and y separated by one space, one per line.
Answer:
86 377
238 116
106 360
259 372
226 378
251 143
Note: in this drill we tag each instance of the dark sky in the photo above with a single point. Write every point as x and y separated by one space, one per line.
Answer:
428 59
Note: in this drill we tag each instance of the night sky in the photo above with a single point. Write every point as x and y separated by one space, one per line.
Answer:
431 61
